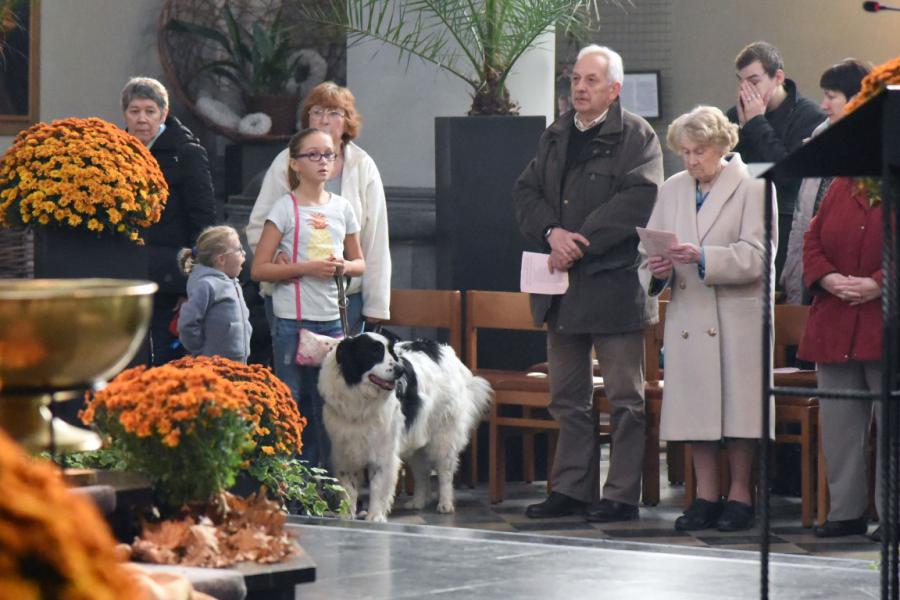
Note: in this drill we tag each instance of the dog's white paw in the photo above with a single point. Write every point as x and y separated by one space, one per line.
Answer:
376 517
445 507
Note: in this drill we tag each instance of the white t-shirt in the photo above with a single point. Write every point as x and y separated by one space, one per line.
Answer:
321 234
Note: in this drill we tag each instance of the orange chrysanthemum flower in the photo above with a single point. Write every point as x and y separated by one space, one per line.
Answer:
83 173
875 82
187 429
280 425
53 543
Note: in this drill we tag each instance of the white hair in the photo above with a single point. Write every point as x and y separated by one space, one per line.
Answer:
615 70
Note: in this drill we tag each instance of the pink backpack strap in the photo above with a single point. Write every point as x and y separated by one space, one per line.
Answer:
296 244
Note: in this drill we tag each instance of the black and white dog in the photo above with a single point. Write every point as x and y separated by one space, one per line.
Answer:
386 402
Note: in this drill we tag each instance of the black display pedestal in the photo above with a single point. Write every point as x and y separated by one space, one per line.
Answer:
65 253
62 253
246 160
477 161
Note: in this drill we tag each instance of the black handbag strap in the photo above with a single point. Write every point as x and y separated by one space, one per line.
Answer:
342 298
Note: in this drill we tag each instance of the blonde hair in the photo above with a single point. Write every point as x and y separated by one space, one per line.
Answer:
212 242
705 125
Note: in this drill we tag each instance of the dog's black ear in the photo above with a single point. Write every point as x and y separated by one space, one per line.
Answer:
343 352
347 357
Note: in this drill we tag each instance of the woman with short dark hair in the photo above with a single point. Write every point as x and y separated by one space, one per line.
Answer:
839 84
190 209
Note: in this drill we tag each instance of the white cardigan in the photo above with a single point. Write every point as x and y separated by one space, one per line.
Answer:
361 185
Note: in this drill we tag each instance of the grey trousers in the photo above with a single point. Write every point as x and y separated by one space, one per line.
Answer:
621 359
845 433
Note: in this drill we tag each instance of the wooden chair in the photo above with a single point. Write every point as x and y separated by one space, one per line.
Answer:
512 389
439 309
789 322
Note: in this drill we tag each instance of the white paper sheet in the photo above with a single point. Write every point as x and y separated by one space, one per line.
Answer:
536 278
657 243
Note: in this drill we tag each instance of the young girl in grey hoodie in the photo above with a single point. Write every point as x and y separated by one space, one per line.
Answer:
215 319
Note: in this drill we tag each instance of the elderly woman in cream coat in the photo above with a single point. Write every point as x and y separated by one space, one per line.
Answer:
713 333
332 108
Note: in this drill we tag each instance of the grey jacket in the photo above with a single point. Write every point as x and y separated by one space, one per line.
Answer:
215 319
804 211
608 191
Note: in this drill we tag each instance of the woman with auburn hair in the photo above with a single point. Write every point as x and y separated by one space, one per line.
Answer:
332 108
713 392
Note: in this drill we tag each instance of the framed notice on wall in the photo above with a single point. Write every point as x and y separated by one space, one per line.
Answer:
19 27
640 94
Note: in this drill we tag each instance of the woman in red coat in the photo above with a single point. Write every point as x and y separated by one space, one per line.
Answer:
842 268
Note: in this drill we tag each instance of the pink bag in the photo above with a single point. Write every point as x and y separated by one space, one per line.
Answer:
312 348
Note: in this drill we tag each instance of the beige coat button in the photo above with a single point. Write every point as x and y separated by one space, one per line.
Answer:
684 333
712 331
681 285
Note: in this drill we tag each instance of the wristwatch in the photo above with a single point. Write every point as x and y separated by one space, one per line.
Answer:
548 229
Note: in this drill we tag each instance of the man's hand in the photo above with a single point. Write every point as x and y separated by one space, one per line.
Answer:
685 253
751 101
555 263
660 267
565 244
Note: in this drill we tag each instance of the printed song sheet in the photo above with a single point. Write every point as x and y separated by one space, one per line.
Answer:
536 277
657 243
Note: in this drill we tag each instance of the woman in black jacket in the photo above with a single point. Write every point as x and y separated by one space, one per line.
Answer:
190 209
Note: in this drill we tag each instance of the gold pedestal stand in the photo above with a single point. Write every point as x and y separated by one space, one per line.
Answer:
64 335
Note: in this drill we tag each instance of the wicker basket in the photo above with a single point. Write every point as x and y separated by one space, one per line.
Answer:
16 253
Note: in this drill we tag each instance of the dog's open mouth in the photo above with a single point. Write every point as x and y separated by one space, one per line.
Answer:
382 383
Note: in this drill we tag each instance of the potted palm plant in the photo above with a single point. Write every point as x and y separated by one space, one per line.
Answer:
259 58
478 41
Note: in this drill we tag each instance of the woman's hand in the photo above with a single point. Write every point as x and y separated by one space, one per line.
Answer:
850 289
860 290
685 253
660 267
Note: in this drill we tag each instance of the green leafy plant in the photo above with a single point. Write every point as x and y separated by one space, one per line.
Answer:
304 489
257 59
478 41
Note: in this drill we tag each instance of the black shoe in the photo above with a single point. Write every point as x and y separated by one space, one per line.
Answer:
556 505
736 516
701 514
841 528
875 536
608 511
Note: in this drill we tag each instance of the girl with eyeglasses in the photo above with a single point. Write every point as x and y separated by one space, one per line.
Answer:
214 320
318 232
354 176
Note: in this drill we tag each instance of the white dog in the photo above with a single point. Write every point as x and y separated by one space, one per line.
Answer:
385 402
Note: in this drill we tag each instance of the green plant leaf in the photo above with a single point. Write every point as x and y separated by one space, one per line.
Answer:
203 31
476 41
